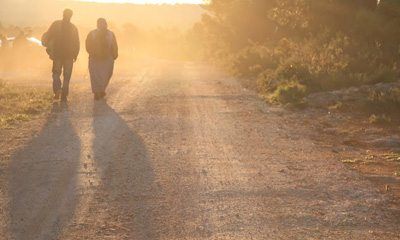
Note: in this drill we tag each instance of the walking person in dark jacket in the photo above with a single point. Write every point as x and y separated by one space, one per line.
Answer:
102 47
62 42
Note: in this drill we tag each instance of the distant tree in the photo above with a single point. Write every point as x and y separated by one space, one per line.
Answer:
338 39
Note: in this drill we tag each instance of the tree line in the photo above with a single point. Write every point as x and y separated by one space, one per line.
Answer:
296 47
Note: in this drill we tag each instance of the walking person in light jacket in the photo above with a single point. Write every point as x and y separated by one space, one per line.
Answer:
102 47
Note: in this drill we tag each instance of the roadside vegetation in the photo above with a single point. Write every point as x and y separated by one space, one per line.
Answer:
288 49
384 106
21 103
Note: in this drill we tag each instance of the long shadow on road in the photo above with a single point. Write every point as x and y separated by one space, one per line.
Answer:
127 186
43 180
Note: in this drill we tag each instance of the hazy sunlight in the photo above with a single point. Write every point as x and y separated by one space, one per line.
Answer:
148 1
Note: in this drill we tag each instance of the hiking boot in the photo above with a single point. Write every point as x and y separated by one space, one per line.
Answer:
56 96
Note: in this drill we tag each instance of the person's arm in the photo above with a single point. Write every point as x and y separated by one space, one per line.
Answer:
76 44
115 47
89 44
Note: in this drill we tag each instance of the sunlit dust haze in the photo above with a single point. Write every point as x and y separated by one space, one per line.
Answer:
151 29
151 13
147 1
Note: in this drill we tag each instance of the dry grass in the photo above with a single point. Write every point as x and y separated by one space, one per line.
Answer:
21 103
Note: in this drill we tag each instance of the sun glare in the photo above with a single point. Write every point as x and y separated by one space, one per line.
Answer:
148 1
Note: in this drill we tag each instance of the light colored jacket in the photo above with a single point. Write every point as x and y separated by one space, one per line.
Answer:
102 45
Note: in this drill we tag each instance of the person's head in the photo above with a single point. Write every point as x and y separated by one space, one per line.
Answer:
102 24
67 14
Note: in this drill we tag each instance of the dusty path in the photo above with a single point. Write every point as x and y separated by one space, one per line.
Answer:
180 152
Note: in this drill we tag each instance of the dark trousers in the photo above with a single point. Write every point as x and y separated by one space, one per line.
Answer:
64 67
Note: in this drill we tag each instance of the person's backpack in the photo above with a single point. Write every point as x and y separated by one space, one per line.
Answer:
48 43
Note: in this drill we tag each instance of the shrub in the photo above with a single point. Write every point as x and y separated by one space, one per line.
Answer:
383 74
267 82
291 92
385 101
251 61
379 119
322 45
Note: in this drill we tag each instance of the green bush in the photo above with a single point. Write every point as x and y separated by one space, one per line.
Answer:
251 61
291 92
383 74
380 119
267 81
321 45
385 101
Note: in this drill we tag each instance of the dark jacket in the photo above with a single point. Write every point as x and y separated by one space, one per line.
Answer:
102 45
62 40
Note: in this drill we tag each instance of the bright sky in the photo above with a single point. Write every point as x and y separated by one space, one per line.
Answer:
148 1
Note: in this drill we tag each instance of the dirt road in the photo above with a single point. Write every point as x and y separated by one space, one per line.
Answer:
179 151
